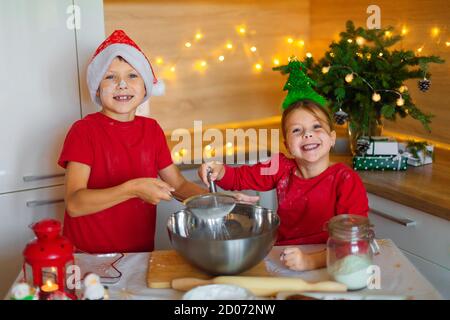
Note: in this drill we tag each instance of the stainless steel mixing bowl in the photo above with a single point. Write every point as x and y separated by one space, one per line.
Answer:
250 233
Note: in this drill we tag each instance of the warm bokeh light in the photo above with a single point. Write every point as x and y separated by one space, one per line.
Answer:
404 30
349 40
388 34
435 31
198 36
301 43
309 55
229 45
258 66
276 61
253 49
188 44
159 60
221 58
360 41
290 40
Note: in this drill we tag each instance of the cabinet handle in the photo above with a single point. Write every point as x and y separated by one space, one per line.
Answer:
37 203
402 221
45 176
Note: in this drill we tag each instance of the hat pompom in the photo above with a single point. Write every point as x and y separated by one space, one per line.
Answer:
159 88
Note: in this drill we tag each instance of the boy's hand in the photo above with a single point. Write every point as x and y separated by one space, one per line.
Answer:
151 190
296 260
217 168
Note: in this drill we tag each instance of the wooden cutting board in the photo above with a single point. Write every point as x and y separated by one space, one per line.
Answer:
166 265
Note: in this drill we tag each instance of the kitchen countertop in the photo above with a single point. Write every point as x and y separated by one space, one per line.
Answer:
426 188
398 276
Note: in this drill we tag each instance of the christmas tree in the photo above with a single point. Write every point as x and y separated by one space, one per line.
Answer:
298 84
362 77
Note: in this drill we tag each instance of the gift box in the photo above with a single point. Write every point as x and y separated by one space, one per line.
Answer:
380 163
417 156
381 146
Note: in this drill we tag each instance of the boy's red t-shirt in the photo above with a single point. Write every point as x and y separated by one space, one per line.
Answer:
116 152
304 205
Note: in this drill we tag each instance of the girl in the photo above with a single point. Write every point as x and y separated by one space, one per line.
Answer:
310 189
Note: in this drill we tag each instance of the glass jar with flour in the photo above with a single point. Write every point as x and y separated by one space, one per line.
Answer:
350 249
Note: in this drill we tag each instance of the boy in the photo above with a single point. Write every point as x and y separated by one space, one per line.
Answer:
113 157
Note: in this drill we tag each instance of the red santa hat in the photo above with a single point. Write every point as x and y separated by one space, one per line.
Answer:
119 44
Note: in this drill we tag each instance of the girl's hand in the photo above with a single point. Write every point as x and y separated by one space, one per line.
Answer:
151 190
295 259
242 197
218 171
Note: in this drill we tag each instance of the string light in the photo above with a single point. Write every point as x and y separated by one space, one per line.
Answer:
188 44
290 40
360 41
221 58
301 43
380 54
332 54
359 54
159 60
388 34
404 30
447 43
349 40
253 49
419 50
400 102
258 66
349 78
376 97
200 65
241 29
229 45
309 55
435 32
276 61
403 88
198 36
325 69
368 56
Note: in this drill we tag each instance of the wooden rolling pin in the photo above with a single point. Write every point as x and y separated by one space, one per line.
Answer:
261 286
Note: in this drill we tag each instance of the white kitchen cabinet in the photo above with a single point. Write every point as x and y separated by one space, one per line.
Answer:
438 276
46 47
425 237
39 91
40 88
18 211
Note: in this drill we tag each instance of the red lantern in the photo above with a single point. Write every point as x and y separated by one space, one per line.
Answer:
47 258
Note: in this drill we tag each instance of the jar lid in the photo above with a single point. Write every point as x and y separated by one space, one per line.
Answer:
349 225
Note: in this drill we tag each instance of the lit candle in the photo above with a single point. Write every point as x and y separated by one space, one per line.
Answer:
49 286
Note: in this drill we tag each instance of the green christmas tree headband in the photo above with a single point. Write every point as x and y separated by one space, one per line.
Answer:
299 85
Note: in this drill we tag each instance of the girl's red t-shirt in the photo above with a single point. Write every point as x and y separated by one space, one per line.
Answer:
116 152
304 205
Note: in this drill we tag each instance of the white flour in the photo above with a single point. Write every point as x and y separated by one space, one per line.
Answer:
351 271
218 292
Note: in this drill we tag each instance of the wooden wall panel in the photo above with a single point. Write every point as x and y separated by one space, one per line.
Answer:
226 92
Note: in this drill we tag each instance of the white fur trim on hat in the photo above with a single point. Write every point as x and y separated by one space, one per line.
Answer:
101 62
